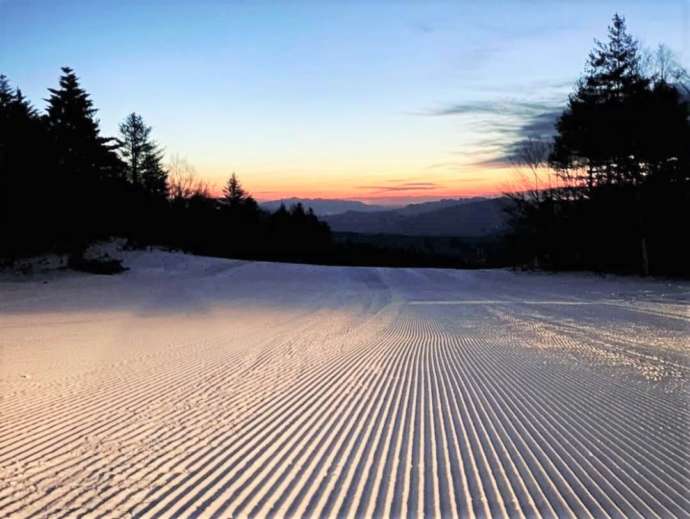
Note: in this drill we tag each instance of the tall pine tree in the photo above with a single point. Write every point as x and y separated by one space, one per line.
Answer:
25 189
234 194
135 144
143 158
599 134
85 165
624 136
72 124
154 177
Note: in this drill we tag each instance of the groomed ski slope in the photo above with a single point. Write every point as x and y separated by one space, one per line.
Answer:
199 387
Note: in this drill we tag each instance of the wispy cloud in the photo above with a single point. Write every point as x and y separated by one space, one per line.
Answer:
504 124
392 187
444 165
540 126
503 107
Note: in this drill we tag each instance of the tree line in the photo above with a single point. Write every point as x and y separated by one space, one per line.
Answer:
611 191
63 186
619 196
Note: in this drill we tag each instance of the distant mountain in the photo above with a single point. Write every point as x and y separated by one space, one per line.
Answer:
425 207
323 206
470 218
329 206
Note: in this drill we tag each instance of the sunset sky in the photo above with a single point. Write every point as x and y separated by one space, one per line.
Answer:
379 101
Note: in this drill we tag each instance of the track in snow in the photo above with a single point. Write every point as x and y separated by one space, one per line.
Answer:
210 388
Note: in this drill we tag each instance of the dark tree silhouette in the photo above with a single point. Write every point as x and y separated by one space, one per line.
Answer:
85 164
63 185
154 177
143 158
622 152
598 137
80 149
234 194
135 145
24 183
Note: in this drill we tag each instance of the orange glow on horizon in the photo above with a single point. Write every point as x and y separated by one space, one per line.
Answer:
388 189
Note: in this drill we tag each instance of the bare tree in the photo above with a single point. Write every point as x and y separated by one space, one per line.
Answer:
183 180
662 65
533 154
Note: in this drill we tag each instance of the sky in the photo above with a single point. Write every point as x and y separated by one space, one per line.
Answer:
372 100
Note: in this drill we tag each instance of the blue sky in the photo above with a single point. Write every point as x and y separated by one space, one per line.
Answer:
364 99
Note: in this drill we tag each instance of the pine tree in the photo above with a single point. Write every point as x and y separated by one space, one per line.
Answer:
154 177
614 67
599 133
25 189
234 194
142 157
625 137
8 128
75 130
21 140
6 93
86 166
135 145
15 110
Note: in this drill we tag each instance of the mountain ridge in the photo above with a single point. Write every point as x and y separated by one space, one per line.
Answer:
333 206
471 219
322 206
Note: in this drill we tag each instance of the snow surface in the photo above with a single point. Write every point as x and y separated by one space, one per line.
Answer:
192 386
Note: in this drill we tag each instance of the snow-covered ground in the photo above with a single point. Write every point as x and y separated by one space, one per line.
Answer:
193 386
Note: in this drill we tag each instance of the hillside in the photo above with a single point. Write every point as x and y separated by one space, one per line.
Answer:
333 206
322 206
470 218
427 207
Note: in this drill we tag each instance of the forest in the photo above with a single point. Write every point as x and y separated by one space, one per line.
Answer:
611 191
66 186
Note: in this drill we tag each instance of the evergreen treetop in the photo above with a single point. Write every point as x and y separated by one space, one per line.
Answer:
233 192
70 109
604 135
